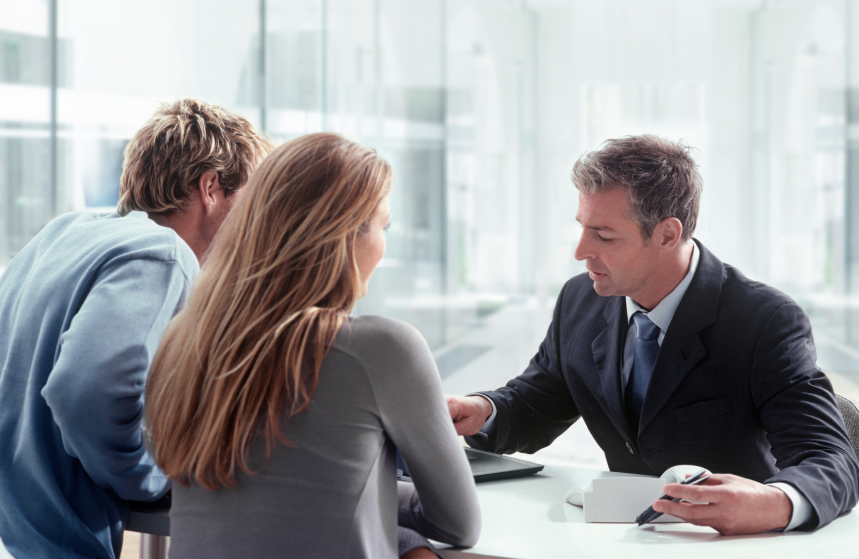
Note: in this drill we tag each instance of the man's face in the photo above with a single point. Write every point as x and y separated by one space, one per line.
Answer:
618 261
222 206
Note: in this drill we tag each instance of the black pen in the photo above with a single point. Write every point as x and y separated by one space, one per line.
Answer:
650 515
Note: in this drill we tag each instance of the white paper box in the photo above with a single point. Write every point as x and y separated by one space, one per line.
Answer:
622 499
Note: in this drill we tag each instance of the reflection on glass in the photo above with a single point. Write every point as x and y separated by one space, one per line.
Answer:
482 106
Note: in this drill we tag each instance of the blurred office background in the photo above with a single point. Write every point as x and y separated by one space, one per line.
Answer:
482 106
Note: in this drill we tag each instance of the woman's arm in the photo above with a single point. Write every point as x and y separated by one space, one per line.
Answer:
442 502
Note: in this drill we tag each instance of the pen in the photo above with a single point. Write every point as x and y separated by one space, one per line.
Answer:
650 515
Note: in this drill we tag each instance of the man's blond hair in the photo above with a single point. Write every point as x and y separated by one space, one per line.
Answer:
166 158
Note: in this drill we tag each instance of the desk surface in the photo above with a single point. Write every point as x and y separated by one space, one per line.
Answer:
527 518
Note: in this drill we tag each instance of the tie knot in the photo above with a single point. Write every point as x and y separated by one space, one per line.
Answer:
647 330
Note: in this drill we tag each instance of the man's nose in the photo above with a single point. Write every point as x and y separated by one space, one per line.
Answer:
583 250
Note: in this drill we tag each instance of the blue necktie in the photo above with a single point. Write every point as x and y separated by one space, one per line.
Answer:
644 357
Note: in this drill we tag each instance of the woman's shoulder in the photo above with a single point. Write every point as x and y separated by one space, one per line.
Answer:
367 328
372 338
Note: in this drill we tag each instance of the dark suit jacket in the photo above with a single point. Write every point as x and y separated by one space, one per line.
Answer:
735 389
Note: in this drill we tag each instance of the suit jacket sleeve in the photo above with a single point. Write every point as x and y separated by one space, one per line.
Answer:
533 409
801 418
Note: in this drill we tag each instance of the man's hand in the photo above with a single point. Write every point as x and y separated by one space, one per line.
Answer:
736 505
420 553
469 413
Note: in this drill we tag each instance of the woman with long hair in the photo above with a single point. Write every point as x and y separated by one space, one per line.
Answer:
277 414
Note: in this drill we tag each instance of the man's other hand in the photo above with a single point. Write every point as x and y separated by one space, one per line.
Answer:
420 553
469 413
736 505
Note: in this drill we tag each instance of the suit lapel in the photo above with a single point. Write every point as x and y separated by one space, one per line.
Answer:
607 349
681 348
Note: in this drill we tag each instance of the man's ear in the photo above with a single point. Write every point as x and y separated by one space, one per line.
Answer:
209 187
669 232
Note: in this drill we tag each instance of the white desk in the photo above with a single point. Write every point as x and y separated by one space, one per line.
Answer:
527 518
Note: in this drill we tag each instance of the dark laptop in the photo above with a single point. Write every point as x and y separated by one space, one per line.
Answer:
485 466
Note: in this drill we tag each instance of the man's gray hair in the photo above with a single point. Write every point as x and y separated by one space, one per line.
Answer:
659 176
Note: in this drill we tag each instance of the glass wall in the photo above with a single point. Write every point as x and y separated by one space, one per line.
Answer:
482 106
444 90
27 71
800 164
764 90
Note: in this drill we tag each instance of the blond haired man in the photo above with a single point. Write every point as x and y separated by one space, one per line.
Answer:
82 308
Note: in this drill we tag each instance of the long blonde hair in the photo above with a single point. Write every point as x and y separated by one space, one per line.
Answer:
281 276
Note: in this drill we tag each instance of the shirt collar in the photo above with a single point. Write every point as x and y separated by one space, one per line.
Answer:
662 314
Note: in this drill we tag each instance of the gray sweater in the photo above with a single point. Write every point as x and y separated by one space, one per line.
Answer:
335 494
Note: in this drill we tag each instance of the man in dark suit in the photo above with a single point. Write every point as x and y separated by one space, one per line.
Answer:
672 357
